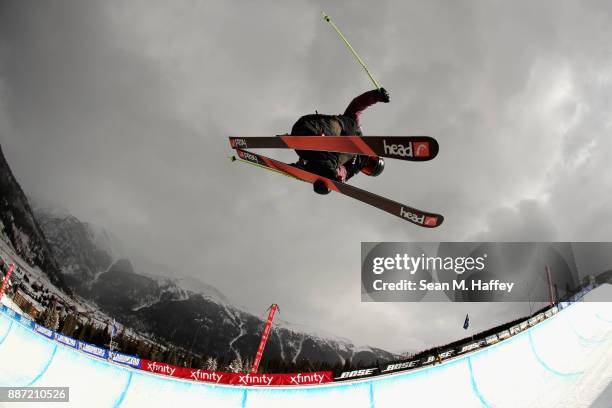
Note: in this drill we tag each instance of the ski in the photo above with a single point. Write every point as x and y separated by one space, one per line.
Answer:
410 148
413 215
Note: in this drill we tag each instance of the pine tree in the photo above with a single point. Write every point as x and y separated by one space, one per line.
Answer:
155 353
172 358
236 365
246 365
52 317
85 332
69 325
121 340
211 364
142 348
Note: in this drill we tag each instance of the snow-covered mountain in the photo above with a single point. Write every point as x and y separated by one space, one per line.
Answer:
20 230
180 310
83 252
78 258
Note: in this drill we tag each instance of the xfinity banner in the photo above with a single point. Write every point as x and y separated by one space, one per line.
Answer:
480 271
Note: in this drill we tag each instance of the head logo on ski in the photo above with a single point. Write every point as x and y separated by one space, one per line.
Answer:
332 149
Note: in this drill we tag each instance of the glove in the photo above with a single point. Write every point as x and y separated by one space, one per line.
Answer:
341 174
383 95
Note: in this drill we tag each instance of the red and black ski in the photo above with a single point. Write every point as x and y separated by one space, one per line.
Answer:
413 215
410 148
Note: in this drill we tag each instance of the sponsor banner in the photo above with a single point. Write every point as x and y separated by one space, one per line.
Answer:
354 374
491 340
247 379
415 363
555 310
158 368
43 330
27 322
244 379
197 374
320 377
400 366
125 359
68 341
93 350
254 379
3 308
466 348
523 325
503 335
428 360
515 329
186 373
437 359
11 313
548 313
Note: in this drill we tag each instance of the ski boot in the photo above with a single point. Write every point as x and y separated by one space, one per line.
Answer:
319 187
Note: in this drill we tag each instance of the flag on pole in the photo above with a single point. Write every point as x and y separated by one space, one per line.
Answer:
114 329
466 323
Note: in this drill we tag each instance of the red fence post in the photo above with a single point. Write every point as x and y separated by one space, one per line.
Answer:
6 279
550 286
264 338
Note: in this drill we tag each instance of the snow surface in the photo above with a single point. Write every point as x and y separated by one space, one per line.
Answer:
565 361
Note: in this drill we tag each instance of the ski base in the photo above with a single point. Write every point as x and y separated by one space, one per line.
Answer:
409 148
418 217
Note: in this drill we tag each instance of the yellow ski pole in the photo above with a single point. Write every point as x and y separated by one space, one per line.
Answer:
238 159
351 49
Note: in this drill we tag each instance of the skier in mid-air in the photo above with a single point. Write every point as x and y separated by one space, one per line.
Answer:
328 162
333 165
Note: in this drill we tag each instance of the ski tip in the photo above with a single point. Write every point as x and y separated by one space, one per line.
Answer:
232 158
325 16
432 221
435 148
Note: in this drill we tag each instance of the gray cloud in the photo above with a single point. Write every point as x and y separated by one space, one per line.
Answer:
120 111
528 220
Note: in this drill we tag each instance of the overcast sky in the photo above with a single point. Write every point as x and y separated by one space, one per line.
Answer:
120 111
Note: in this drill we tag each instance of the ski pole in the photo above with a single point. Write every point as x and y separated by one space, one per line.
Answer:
234 158
351 49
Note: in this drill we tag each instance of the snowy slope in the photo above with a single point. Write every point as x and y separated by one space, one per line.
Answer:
566 361
179 309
